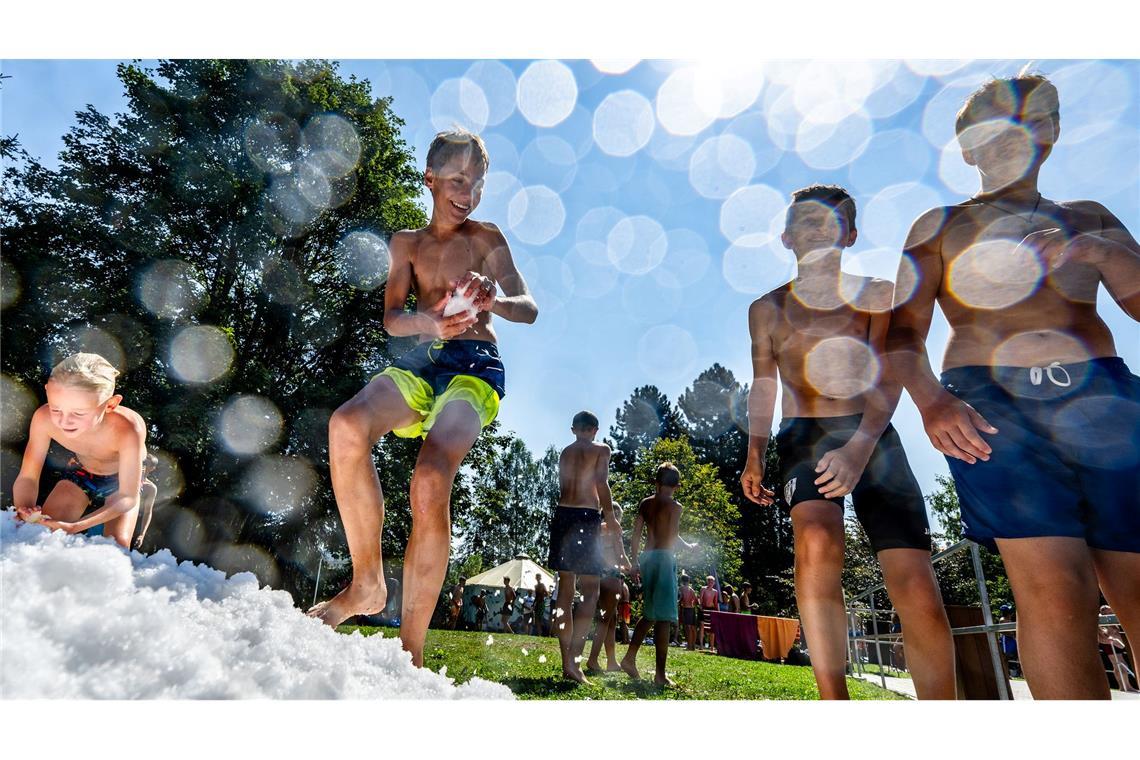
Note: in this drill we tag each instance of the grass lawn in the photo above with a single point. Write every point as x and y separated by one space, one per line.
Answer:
698 675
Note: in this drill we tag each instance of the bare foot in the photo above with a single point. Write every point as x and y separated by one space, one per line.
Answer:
631 670
593 668
664 681
574 674
353 600
613 667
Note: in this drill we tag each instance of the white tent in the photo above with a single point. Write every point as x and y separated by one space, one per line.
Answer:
523 572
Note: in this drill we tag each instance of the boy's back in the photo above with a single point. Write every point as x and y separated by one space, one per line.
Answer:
578 467
662 517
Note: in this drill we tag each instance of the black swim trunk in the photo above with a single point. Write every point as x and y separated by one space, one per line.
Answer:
1065 460
688 616
575 545
887 499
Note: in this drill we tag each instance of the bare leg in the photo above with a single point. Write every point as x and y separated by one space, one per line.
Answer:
589 585
1054 587
147 496
818 529
926 631
354 429
563 623
661 643
425 562
122 527
1117 573
66 502
629 662
605 630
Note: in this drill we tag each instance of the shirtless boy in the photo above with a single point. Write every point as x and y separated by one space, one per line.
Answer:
106 446
823 333
1038 417
710 601
688 601
605 630
659 516
446 389
456 603
508 606
584 503
540 595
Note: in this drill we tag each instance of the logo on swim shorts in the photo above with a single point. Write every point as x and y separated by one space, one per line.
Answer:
789 490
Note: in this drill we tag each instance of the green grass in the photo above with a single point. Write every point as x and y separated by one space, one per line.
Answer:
873 669
698 675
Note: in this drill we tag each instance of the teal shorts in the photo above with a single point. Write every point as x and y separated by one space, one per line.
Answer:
659 585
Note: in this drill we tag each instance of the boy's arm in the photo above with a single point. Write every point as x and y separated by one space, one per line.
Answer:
1113 252
844 466
514 302
27 485
635 544
605 498
761 401
426 320
675 528
952 425
146 512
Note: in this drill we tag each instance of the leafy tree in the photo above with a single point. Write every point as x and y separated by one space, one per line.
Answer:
223 237
647 416
709 516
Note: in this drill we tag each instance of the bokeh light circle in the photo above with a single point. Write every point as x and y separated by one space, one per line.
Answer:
623 123
721 165
93 340
548 160
536 214
614 66
363 260
886 218
273 142
994 274
17 405
333 144
498 85
755 212
686 259
278 485
636 244
249 424
171 289
757 267
546 93
827 145
594 275
459 102
841 367
200 354
688 101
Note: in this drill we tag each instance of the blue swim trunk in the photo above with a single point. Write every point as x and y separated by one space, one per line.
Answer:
1066 457
437 372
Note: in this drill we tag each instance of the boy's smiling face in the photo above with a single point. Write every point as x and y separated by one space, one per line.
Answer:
457 186
75 411
1006 147
815 226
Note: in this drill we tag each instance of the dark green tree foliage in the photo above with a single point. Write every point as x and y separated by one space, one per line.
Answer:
956 573
716 416
646 417
252 197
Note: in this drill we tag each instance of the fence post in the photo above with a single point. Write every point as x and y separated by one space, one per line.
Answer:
875 633
987 617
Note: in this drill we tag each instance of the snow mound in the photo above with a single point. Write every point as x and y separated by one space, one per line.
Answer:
84 619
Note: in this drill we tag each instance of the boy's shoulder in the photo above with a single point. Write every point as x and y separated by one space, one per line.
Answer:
873 294
771 303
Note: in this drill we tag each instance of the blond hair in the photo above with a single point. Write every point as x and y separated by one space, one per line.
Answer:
91 372
456 142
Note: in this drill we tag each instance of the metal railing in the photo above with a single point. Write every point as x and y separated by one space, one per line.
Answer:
989 627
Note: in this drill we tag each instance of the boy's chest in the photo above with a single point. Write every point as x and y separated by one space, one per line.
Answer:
804 329
438 262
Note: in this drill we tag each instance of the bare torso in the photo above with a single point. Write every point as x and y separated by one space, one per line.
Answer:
821 341
1003 305
660 516
578 472
98 450
436 262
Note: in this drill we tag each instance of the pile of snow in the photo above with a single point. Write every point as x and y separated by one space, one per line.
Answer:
81 618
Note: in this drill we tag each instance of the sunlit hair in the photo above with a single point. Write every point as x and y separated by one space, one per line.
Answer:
667 475
91 372
832 196
456 142
1010 97
585 421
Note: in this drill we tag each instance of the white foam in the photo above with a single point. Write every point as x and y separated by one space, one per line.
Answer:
83 619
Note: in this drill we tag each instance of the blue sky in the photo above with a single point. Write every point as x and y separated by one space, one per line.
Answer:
638 197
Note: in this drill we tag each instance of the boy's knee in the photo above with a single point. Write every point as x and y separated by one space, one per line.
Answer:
348 428
818 542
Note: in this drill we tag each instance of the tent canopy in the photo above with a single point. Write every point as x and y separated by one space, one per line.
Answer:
522 571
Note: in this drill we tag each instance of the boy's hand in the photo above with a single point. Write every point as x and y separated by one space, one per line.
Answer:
481 288
1057 248
623 563
953 426
53 524
754 490
635 571
842 469
448 327
29 514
